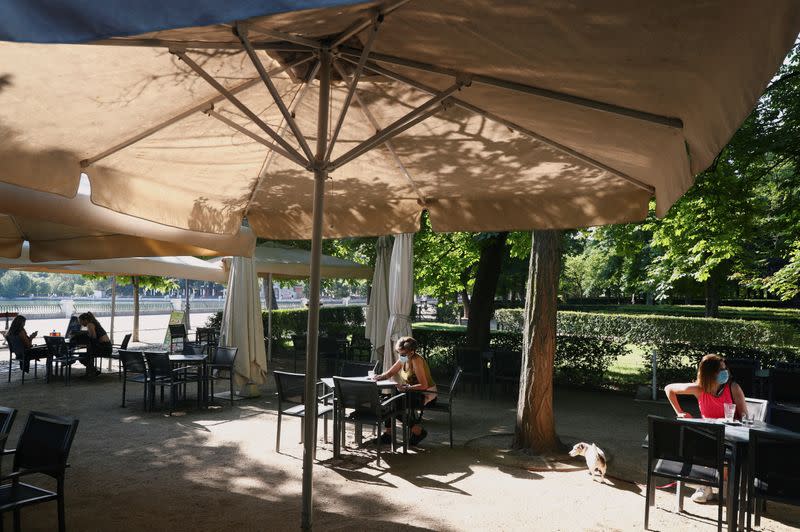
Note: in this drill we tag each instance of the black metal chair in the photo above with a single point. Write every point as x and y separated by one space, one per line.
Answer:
291 392
785 416
177 331
299 345
473 366
505 369
60 359
36 353
134 369
757 408
743 371
360 348
784 386
223 359
328 354
206 335
162 373
115 349
356 369
7 416
43 448
685 451
774 471
368 408
444 400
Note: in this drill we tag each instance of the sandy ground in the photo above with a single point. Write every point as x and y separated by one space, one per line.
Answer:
217 469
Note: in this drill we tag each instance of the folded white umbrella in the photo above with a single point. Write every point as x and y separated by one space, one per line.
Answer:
378 308
401 295
242 326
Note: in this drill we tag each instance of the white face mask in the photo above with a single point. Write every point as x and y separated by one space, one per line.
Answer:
403 359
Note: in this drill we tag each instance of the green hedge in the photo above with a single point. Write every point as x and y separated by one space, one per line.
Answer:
578 361
286 322
664 330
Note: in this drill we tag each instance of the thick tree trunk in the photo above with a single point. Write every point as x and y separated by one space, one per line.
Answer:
535 427
712 293
481 307
465 302
135 332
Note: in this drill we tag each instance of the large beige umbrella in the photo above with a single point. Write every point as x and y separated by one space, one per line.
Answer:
490 116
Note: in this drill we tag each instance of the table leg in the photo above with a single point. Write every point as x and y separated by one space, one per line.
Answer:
337 434
732 501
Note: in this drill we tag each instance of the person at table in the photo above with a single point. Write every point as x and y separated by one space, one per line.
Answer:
97 342
17 329
713 389
416 378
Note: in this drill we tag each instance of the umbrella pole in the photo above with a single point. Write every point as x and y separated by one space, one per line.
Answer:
268 293
320 174
186 322
113 305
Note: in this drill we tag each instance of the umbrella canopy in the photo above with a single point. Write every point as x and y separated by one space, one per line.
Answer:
546 114
285 262
401 295
59 228
242 326
378 308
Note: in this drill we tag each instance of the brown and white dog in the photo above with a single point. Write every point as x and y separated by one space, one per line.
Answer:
595 458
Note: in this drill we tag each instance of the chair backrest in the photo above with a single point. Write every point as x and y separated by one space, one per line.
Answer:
357 369
194 348
689 442
454 381
794 366
784 386
469 359
786 417
507 363
132 361
299 342
357 394
158 364
743 371
56 345
177 330
45 443
225 356
328 345
775 463
15 345
125 341
291 387
757 408
7 415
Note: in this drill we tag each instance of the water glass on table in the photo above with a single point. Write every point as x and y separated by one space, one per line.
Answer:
371 375
730 411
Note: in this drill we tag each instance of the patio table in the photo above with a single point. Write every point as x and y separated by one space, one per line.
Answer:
737 437
328 382
195 360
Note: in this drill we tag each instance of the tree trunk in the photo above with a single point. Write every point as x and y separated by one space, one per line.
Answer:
712 293
536 427
481 307
135 332
465 302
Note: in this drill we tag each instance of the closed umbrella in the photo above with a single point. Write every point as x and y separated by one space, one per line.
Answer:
490 116
378 308
401 294
241 323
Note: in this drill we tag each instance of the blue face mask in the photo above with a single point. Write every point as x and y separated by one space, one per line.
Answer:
723 376
403 359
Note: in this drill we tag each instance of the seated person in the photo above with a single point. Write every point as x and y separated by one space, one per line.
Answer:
97 342
416 376
713 388
17 329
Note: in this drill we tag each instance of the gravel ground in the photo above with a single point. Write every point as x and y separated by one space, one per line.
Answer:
217 469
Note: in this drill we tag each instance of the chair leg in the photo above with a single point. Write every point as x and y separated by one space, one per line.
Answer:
450 413
648 500
231 384
17 521
278 438
679 496
325 428
62 525
124 386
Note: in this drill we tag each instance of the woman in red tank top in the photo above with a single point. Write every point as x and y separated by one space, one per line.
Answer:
713 389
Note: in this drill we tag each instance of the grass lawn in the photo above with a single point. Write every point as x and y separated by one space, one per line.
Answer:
740 313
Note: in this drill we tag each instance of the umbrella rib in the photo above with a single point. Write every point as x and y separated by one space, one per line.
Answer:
207 104
197 45
362 60
388 144
403 123
241 31
359 26
295 155
286 37
227 121
516 127
667 121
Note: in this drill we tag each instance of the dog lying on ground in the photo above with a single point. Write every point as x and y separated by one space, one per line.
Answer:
595 458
